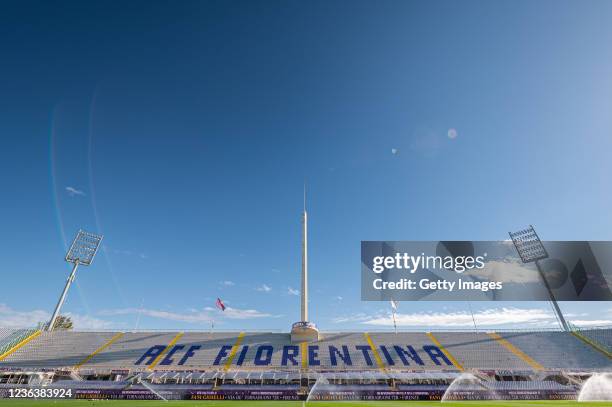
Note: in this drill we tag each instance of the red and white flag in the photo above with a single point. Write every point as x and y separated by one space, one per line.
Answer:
220 304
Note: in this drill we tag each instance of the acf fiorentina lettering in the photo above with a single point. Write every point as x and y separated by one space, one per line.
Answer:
342 355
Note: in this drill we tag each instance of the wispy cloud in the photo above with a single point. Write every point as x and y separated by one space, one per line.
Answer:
582 319
227 283
88 322
485 318
507 270
590 323
292 291
235 313
122 252
11 318
264 288
72 191
192 315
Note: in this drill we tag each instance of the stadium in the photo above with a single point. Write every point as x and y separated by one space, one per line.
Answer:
156 249
304 364
339 366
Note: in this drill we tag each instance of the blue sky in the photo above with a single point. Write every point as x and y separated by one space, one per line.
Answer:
184 133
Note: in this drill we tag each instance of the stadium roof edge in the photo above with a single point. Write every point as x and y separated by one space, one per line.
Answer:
278 331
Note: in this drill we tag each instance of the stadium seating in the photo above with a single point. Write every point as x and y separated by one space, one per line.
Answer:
5 332
204 351
602 336
10 337
57 349
558 350
351 341
528 385
479 350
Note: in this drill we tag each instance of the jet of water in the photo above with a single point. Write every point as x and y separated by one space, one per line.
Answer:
140 381
467 382
321 381
598 387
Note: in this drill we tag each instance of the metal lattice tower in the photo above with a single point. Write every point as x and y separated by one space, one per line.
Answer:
531 250
82 251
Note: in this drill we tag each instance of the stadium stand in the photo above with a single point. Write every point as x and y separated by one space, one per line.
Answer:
9 338
4 333
57 349
479 350
558 350
602 336
175 351
264 365
529 385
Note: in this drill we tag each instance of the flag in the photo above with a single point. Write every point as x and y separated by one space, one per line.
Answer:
220 304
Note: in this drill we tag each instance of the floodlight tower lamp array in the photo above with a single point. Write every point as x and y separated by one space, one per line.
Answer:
81 252
531 250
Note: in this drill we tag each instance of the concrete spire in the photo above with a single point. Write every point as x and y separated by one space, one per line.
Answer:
303 330
304 292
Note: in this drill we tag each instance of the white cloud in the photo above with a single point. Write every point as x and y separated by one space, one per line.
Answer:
339 298
192 316
292 291
234 313
10 318
264 288
489 317
590 323
357 317
227 283
74 192
87 322
507 270
122 252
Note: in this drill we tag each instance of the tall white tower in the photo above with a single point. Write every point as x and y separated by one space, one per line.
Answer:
304 262
303 330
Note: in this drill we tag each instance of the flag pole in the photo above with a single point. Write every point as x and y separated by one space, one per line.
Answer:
393 310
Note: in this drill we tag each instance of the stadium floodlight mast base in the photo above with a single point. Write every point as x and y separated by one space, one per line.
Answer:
82 252
531 250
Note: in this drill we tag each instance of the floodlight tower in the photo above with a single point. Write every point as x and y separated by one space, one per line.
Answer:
82 251
531 250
